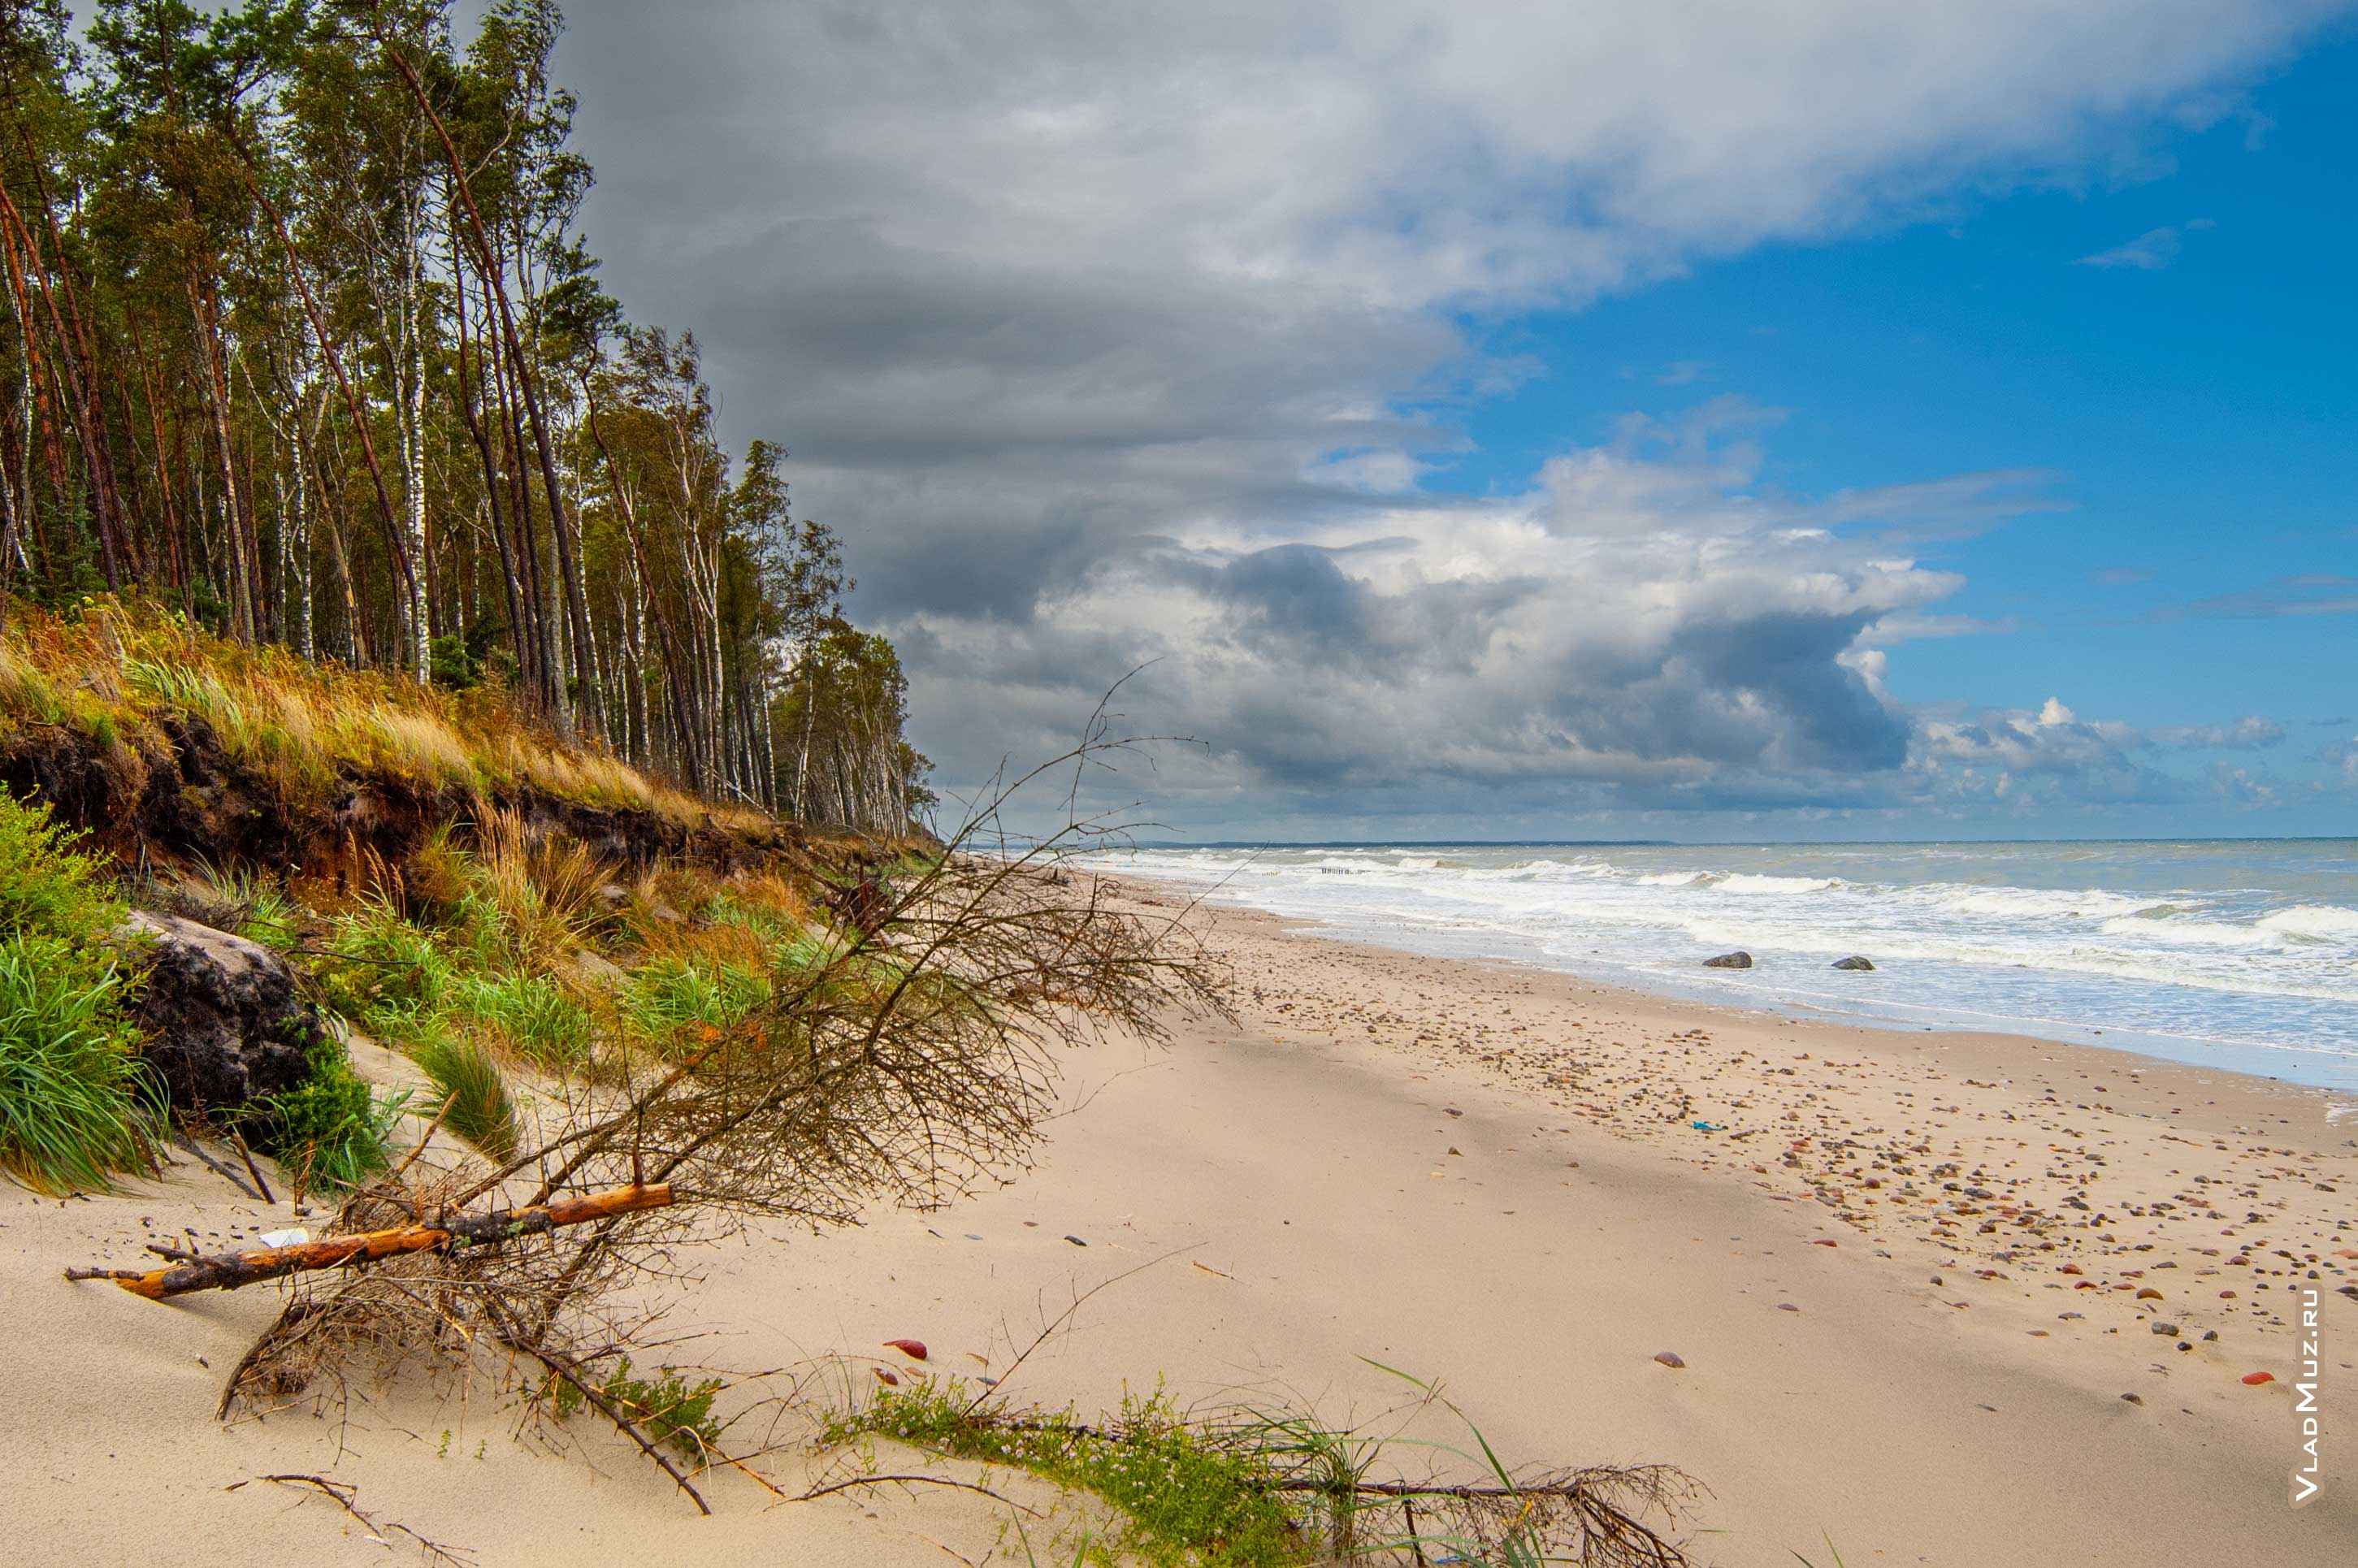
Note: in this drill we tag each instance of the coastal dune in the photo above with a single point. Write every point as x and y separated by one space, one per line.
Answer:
1487 1176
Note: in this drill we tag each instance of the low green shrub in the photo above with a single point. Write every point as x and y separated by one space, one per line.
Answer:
48 887
1187 1498
329 1127
672 1409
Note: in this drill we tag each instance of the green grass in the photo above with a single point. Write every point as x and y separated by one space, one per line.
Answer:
671 994
76 1101
382 972
1187 1498
265 913
535 1016
467 1083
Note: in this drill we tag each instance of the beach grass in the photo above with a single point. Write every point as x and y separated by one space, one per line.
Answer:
76 1102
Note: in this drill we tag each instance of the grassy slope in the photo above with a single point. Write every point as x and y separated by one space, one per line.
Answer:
124 688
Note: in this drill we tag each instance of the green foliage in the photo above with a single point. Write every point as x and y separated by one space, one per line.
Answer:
382 972
328 1125
671 994
673 1410
1188 1499
536 1016
75 1099
452 665
467 1083
47 887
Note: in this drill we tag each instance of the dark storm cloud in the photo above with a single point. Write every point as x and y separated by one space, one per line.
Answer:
1091 327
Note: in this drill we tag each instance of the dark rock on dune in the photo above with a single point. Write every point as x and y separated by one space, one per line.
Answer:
224 1024
1738 960
1854 962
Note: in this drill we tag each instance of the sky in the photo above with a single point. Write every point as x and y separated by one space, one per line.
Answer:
1782 419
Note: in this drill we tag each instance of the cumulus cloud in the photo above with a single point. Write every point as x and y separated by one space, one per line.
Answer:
1096 331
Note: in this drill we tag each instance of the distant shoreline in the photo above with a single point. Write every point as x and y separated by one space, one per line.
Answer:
2138 989
1250 844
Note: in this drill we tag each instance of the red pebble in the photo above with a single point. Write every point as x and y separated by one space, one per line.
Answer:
2256 1379
915 1349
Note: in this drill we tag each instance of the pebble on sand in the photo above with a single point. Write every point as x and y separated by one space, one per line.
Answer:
1670 1359
2256 1379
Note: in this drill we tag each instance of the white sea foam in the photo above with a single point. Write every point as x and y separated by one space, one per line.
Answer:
2315 923
2232 946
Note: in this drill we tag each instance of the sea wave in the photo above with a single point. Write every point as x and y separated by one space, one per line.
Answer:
2315 923
2253 947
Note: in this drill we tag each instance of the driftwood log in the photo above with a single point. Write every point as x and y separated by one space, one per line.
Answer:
228 1270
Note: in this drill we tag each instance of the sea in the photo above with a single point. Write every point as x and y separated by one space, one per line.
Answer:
2239 953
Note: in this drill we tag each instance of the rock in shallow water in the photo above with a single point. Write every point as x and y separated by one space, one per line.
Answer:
1854 962
223 1022
1738 960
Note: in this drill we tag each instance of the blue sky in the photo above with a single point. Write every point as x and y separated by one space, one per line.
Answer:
1801 419
2197 414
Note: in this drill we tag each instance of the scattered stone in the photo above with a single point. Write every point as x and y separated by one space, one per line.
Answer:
2134 1398
1738 960
1670 1359
2254 1379
1076 1241
2168 1330
1854 962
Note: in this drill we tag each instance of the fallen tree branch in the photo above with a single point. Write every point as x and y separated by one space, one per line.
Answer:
565 1367
228 1271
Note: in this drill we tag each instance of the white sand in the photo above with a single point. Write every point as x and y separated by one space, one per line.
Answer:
1299 1167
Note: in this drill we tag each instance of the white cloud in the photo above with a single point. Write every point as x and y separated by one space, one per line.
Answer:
1091 326
2149 252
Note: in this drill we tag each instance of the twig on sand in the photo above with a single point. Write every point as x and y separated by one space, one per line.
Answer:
215 1166
237 1142
950 1481
343 1495
1057 1322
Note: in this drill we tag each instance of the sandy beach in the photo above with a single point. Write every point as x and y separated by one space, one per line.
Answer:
1918 1282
